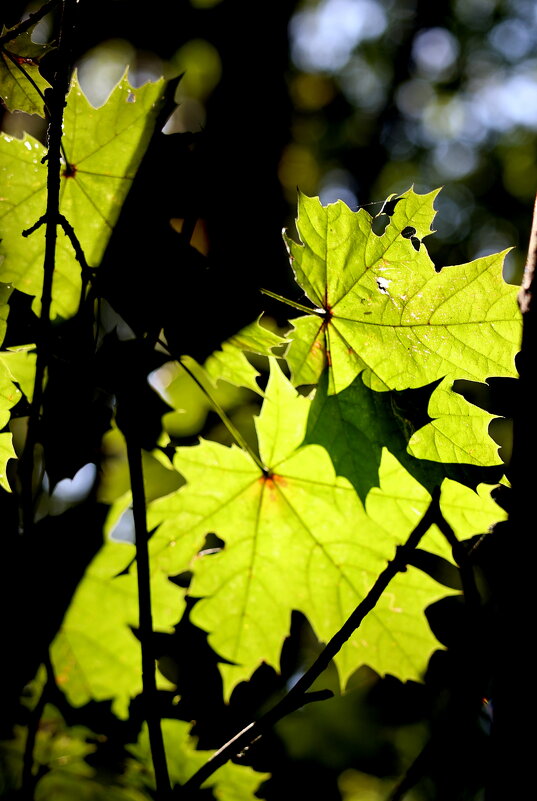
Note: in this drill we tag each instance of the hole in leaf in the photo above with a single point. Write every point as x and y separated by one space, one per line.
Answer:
212 544
379 224
408 232
183 579
389 206
383 284
415 242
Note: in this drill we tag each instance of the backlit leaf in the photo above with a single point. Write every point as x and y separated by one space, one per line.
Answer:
297 537
355 425
230 363
104 147
95 654
383 310
21 83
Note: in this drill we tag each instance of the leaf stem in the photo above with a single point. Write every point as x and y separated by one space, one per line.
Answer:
149 685
297 694
233 430
293 303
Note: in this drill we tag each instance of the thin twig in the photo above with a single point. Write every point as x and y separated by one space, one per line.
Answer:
295 697
464 561
70 233
528 282
149 686
57 104
35 227
27 23
86 272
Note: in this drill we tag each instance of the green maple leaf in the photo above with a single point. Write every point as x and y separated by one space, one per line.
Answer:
104 147
95 654
296 537
382 309
229 783
230 364
469 512
458 432
21 83
17 370
355 425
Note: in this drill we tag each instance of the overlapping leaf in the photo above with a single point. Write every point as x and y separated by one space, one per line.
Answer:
95 654
383 310
355 425
230 363
21 83
296 537
104 147
17 369
458 432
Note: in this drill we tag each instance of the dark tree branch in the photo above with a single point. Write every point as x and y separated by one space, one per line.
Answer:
35 227
464 561
57 103
512 561
525 296
70 233
26 24
297 695
149 686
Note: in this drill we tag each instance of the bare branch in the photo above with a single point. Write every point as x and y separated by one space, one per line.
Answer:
27 23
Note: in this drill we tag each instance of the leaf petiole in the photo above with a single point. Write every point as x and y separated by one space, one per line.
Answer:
293 303
235 433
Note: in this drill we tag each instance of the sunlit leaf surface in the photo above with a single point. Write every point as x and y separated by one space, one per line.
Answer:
383 311
21 83
104 148
96 655
296 537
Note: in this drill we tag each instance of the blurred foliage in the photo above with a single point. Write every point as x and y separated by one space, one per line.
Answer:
388 92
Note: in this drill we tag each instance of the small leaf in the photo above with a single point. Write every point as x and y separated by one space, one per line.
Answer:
230 363
21 84
356 424
469 512
458 431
